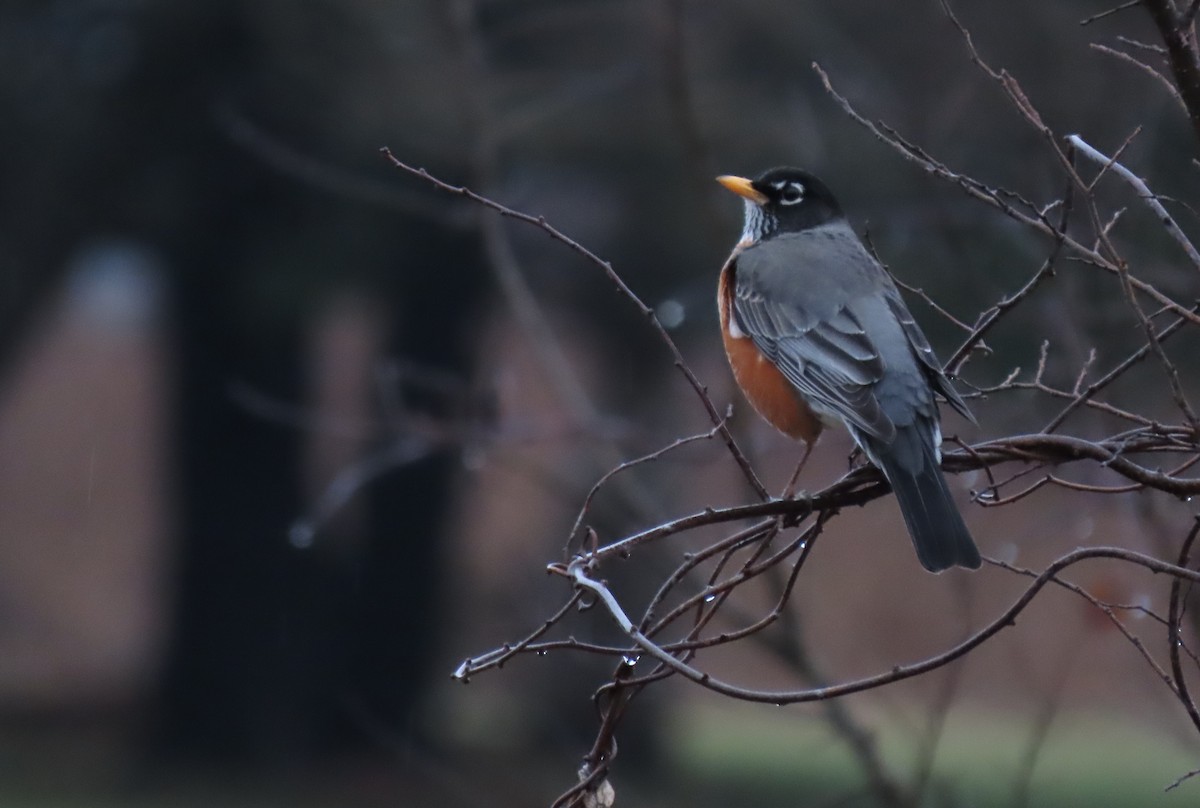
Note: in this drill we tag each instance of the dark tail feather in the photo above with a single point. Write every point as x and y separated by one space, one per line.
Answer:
937 528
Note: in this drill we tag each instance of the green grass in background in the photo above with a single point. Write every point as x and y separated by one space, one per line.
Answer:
755 755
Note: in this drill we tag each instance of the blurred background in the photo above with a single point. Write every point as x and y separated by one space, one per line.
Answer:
286 433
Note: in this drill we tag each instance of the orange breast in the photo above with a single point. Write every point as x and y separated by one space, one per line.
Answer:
765 387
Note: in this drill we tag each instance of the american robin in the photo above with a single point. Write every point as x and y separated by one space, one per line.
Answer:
817 334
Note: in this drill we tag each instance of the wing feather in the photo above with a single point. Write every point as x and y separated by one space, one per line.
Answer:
926 356
830 360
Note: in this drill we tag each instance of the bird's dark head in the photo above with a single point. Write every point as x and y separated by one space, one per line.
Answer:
783 200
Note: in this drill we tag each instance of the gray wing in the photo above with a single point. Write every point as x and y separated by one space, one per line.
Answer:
924 353
818 345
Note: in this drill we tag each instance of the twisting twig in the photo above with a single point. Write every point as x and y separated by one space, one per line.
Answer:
578 572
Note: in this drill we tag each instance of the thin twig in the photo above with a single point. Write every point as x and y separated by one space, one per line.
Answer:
979 191
1107 611
1181 54
1145 68
1114 374
1109 12
578 573
1181 780
495 659
540 222
1002 306
1144 193
629 464
1150 47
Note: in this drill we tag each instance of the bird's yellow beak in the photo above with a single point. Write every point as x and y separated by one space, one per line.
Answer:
743 188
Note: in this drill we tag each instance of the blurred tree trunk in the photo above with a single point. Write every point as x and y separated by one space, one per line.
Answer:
279 654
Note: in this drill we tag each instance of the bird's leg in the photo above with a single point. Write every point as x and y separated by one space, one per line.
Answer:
790 491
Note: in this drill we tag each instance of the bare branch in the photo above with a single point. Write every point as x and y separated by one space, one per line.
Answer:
1181 55
1145 68
1126 5
495 659
622 287
1182 779
713 595
1144 193
1114 374
1108 611
578 572
1189 16
990 317
628 464
979 191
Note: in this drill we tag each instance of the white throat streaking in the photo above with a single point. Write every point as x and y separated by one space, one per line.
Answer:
757 224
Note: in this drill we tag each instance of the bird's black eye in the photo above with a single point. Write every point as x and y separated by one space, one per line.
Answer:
791 193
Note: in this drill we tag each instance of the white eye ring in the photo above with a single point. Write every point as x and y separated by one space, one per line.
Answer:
791 194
